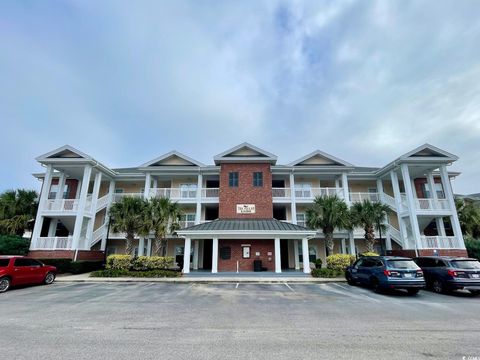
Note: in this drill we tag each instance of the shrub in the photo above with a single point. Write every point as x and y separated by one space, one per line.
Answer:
80 267
369 254
137 274
318 263
62 265
13 245
327 273
119 262
339 261
473 247
144 263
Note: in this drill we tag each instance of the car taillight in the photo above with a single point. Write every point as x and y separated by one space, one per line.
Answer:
419 273
392 273
454 273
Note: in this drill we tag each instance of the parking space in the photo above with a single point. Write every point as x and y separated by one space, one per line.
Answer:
208 321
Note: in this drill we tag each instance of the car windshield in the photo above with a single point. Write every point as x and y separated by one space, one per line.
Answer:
466 264
402 264
4 262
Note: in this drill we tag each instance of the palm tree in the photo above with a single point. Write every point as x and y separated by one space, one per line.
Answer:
17 208
128 216
469 217
371 216
162 218
328 213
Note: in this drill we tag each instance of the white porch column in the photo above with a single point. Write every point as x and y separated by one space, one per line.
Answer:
195 254
47 182
337 183
214 255
292 196
344 246
200 258
146 189
398 204
447 189
295 252
53 227
306 258
198 211
91 224
155 183
149 247
388 241
380 191
351 243
81 207
346 192
431 185
141 245
411 206
111 193
61 186
440 226
278 259
186 256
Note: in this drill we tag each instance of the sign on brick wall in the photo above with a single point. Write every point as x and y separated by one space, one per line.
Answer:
245 208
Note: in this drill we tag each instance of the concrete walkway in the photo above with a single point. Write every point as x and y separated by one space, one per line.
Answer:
197 278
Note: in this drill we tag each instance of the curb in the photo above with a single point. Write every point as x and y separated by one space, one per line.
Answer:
201 280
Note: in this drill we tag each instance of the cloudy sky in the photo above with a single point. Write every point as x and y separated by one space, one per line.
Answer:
128 81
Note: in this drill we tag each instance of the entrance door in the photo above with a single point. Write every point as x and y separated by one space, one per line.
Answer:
207 254
284 253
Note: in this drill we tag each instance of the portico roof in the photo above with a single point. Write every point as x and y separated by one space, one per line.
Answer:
251 228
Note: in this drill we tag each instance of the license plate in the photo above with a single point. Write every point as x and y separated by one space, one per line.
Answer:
408 275
475 276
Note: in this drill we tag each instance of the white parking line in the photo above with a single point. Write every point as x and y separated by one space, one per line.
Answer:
330 287
236 287
288 286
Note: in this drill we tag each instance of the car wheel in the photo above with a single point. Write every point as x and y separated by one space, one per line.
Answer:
350 281
49 278
376 285
474 292
413 291
4 284
438 286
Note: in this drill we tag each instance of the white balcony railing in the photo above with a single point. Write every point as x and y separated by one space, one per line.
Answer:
103 201
210 193
119 196
97 234
394 232
174 193
361 196
61 205
54 243
431 204
186 223
389 200
440 242
282 193
311 193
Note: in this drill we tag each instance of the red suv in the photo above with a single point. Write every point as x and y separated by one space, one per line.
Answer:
19 270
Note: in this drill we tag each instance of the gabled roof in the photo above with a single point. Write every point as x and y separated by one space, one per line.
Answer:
319 158
64 152
245 152
430 152
172 158
247 224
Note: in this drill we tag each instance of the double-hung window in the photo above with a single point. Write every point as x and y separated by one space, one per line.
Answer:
233 179
258 179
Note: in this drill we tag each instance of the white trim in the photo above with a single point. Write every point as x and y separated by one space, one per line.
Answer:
322 154
223 156
170 154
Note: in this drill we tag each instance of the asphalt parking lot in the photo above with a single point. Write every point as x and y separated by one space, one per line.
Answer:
234 321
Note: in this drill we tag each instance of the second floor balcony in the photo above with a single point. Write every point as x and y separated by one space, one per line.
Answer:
186 194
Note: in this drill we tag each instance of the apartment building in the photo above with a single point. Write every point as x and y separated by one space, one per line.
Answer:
246 207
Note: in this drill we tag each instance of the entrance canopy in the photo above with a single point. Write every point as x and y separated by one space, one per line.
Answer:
247 229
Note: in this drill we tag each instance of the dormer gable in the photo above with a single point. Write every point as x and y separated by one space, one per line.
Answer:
173 158
319 158
245 152
429 152
65 152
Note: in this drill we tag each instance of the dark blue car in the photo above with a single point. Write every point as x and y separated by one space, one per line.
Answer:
446 273
385 273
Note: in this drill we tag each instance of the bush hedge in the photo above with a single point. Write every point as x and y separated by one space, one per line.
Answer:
339 262
369 254
327 273
14 245
140 263
73 267
473 247
318 263
138 274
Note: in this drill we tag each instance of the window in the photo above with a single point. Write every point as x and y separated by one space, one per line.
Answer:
438 189
233 179
373 194
118 191
187 220
303 190
312 253
301 219
26 262
188 191
258 179
4 262
402 264
225 253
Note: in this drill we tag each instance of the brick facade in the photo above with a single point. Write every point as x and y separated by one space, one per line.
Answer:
67 254
263 246
245 193
428 252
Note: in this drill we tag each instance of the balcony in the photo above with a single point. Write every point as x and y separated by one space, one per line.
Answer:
424 204
440 242
185 195
361 196
281 193
66 205
54 243
119 196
